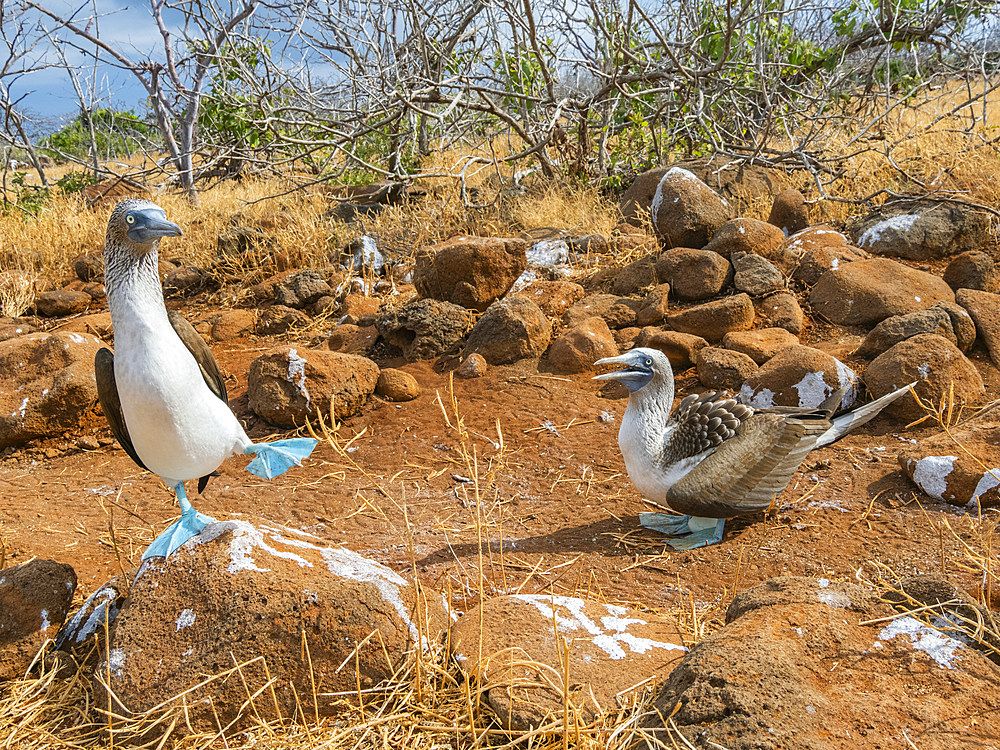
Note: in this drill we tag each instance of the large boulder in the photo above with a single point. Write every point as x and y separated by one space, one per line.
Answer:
973 269
867 292
618 312
819 237
755 275
984 309
397 385
812 263
278 319
681 348
745 235
472 272
781 310
89 266
922 230
686 211
694 274
261 607
511 329
34 601
713 320
636 276
655 306
966 475
943 318
49 384
760 344
553 297
577 348
286 387
740 182
424 328
936 366
799 376
62 302
723 369
296 289
789 211
517 647
813 664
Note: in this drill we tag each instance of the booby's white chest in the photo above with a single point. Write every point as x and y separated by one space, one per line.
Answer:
180 429
641 439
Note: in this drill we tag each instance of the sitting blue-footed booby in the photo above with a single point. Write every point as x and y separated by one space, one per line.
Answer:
714 458
161 390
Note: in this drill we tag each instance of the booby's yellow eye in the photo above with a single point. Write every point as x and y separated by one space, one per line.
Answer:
649 363
130 219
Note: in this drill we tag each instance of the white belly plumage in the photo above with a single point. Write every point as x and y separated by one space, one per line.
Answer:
180 429
641 446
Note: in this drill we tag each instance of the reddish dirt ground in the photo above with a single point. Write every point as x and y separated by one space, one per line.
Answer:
556 511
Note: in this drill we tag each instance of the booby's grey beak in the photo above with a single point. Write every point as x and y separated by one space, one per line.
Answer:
637 373
146 226
623 359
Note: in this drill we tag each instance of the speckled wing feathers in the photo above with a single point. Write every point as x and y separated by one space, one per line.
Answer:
702 422
743 475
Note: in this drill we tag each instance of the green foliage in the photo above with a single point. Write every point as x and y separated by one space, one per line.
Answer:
896 17
227 115
117 133
32 198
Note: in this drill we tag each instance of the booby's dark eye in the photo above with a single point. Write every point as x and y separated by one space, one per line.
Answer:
130 219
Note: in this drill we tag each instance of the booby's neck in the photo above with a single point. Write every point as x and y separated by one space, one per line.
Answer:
643 434
132 285
648 408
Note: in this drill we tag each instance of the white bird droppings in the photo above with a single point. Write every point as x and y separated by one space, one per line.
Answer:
297 374
185 619
762 399
898 224
931 474
940 647
988 482
610 636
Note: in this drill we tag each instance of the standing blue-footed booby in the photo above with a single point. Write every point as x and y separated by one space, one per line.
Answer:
161 390
714 458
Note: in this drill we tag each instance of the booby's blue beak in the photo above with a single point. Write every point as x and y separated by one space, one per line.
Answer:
148 225
637 372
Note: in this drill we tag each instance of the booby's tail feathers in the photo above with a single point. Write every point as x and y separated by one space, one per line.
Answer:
274 459
847 421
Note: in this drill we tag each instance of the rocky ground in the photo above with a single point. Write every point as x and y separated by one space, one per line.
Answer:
472 453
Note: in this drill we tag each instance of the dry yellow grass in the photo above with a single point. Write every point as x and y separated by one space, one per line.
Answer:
932 145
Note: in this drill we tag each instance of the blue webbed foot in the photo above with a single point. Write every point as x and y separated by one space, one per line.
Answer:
274 459
188 525
665 523
704 531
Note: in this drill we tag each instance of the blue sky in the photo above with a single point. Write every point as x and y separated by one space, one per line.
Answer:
128 27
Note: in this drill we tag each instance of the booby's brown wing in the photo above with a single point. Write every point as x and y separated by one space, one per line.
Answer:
111 405
746 471
206 363
701 422
202 354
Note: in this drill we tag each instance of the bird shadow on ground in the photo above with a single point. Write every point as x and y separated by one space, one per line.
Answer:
599 537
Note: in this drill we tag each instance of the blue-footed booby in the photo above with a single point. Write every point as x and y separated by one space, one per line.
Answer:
161 391
714 458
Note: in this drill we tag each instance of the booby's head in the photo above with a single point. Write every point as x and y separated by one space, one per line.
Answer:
139 224
640 367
